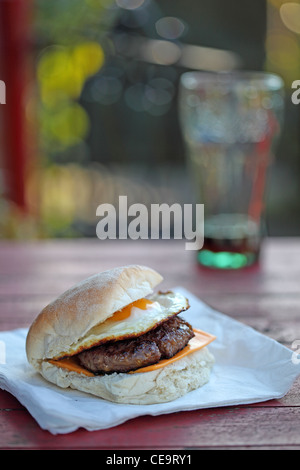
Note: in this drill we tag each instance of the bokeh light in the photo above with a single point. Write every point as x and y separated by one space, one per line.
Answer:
62 71
290 15
170 27
129 4
282 40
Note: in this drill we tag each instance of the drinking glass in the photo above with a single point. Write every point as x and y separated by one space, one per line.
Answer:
230 123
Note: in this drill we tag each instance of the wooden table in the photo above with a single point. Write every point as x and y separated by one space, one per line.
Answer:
267 297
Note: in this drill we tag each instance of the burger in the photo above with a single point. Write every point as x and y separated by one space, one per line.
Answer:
111 336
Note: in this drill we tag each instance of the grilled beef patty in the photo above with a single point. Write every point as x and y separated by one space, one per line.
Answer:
122 356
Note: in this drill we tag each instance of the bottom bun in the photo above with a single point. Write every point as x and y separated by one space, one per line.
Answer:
157 386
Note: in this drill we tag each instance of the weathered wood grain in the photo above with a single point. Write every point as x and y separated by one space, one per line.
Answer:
231 427
266 297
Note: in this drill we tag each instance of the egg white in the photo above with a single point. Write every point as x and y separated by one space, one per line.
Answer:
163 306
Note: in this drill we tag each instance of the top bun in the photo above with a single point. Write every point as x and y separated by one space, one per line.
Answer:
85 305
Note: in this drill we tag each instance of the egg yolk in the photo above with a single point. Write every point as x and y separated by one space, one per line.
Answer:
125 312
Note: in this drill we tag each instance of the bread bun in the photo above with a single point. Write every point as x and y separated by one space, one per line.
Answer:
85 305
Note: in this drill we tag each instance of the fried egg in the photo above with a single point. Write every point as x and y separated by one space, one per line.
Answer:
133 320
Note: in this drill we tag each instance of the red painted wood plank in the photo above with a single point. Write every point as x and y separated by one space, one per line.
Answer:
229 427
9 402
51 267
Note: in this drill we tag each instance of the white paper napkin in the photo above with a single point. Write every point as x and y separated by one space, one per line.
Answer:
250 367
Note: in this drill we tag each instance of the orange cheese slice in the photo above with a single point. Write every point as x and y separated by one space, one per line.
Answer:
71 364
199 341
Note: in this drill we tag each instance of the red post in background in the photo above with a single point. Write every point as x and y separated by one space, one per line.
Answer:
14 52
